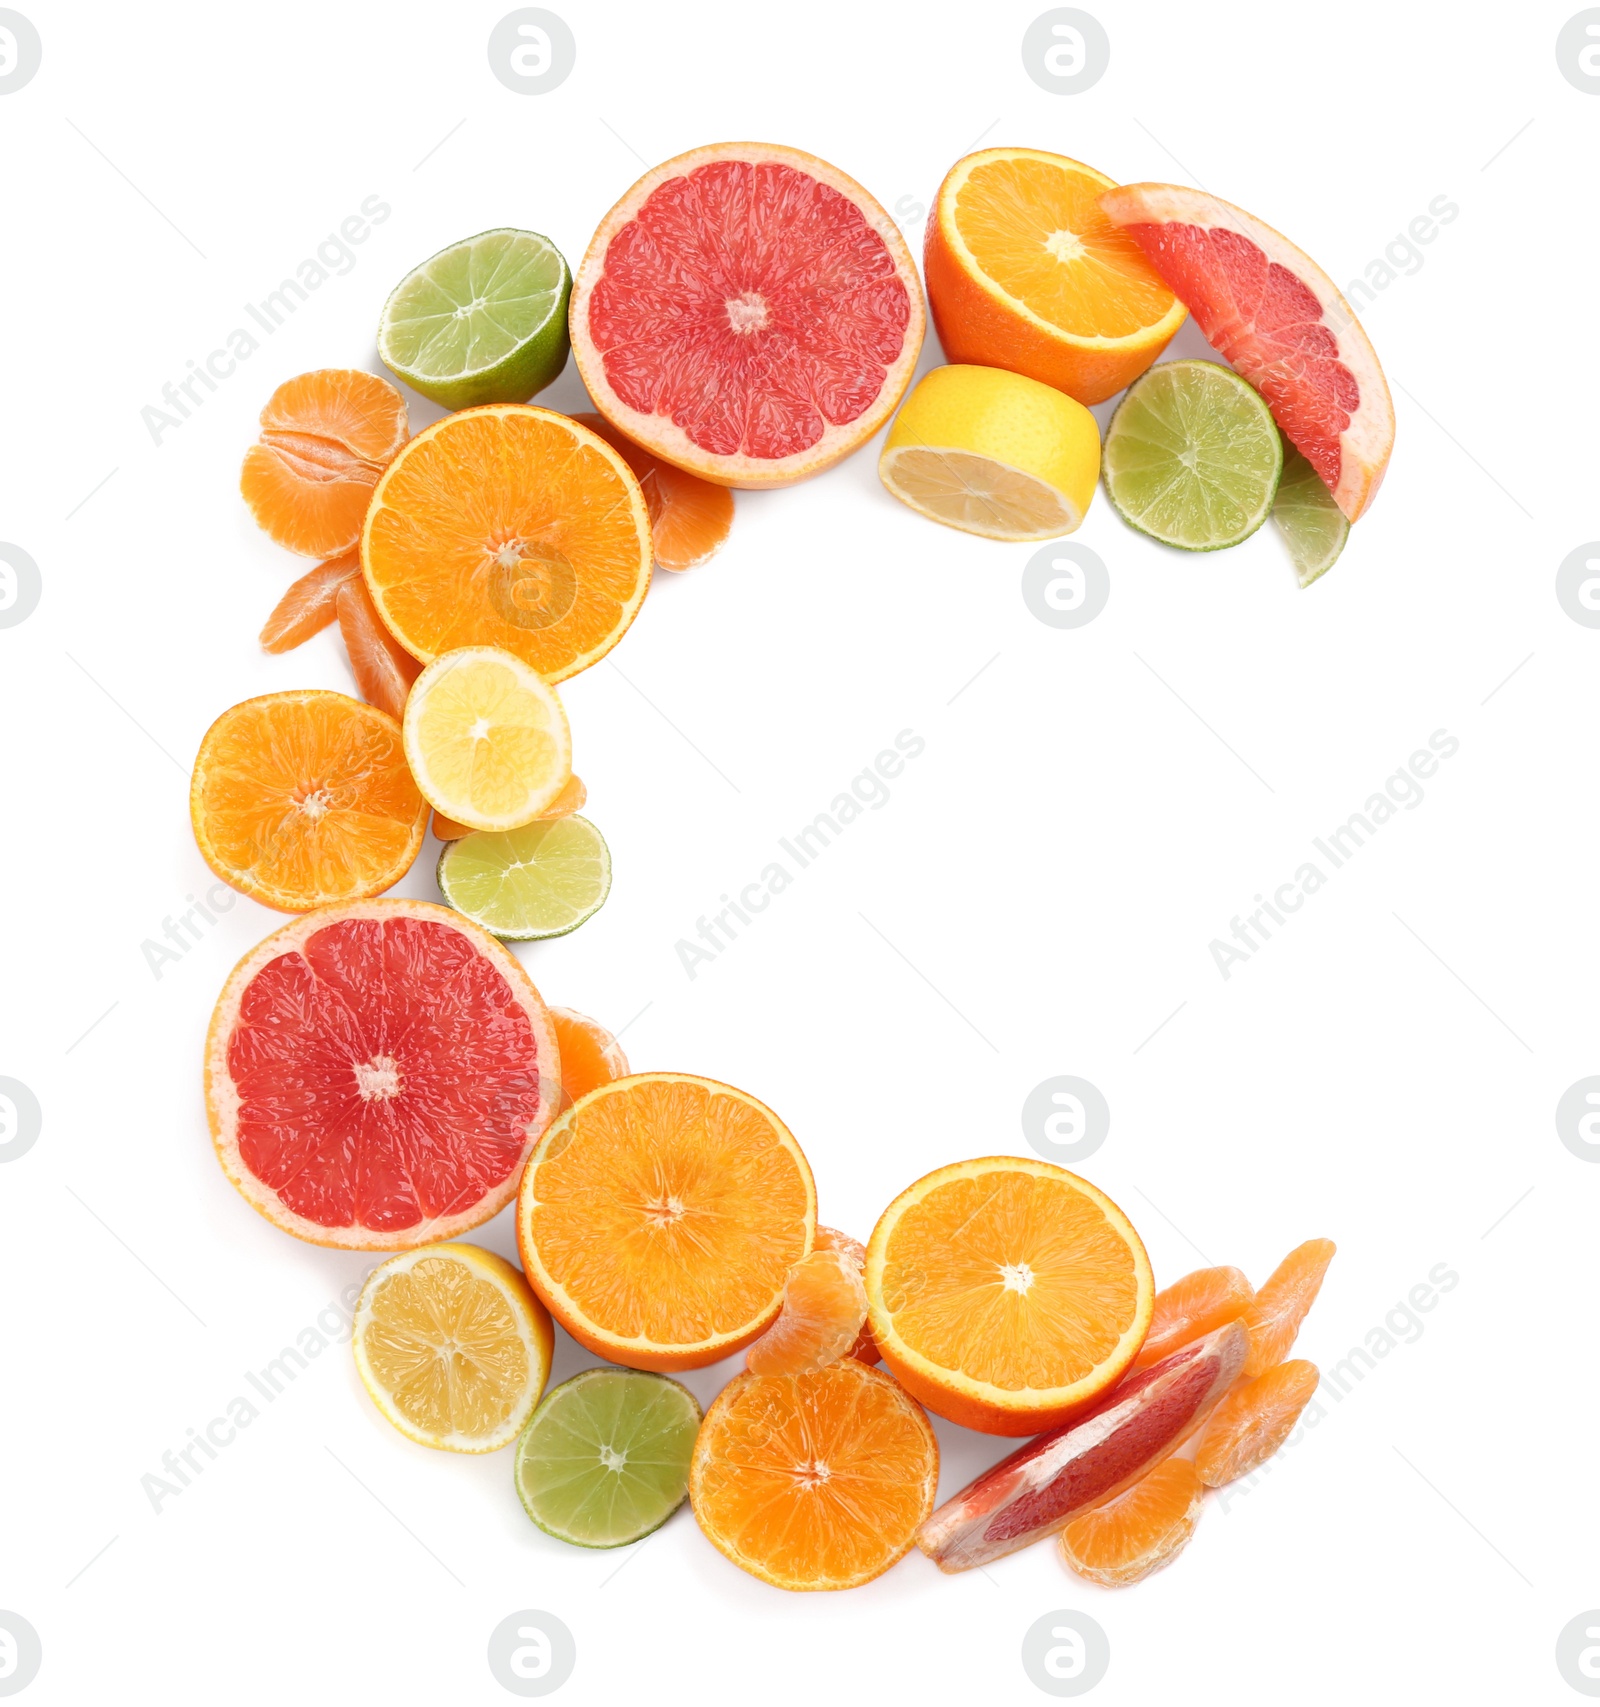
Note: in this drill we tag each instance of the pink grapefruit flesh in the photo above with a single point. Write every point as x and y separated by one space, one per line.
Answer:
377 1074
748 313
1278 318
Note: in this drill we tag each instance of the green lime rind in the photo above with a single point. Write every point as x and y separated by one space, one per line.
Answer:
604 1460
542 880
1312 524
484 321
1192 456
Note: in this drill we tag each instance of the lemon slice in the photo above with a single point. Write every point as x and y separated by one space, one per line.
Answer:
993 453
453 1347
487 739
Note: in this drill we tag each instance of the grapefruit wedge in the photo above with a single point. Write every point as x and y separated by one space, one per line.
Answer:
1280 320
376 1075
748 313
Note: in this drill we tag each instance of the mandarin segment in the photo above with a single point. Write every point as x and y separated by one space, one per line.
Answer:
1140 1531
824 1310
1281 1305
383 669
309 605
1254 1421
1195 1305
590 1055
865 1350
689 517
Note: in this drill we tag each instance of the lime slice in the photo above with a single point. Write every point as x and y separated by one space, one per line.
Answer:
1192 456
541 880
605 1458
485 321
1312 524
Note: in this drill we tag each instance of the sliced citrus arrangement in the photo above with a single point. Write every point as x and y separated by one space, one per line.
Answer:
865 1350
824 1310
660 1217
993 453
487 739
1025 271
325 439
814 1481
590 1056
301 799
1280 320
777 338
1281 1304
508 526
452 1346
1254 1421
1195 1305
689 517
376 1075
1129 1537
1007 1294
526 885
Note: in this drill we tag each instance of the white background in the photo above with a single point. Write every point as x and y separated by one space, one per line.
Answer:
1090 812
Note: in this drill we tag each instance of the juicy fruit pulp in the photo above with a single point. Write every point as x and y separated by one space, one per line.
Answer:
1207 1299
383 669
660 1218
1126 1539
824 1309
376 1074
301 799
525 885
1053 1479
689 517
605 1458
814 1481
309 605
1281 1305
1309 519
865 1350
1254 1421
590 1056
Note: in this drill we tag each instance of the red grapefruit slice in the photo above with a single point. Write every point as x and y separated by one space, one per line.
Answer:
748 313
1273 312
376 1075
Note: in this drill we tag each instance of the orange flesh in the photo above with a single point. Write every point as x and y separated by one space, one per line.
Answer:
1281 1305
1254 1421
824 1307
1209 1298
590 1055
689 517
384 671
1139 1531
309 605
865 1350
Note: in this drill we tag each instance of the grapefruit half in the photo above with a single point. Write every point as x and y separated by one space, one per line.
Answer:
1273 312
376 1075
748 313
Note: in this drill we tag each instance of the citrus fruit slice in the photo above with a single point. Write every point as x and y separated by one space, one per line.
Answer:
605 1458
1044 1485
1025 271
1273 312
452 1346
689 517
1192 457
1195 1305
1281 1305
824 1310
1306 513
1128 1538
992 453
1254 1421
814 1481
1006 1294
487 739
310 603
865 1350
301 799
748 313
508 526
325 439
568 801
660 1217
484 321
377 1073
524 885
590 1056
383 669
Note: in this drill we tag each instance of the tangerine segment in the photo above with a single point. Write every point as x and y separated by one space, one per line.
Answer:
376 1075
689 517
508 526
325 439
1254 1421
310 603
302 799
814 1481
1006 1294
865 1350
660 1217
1128 1538
590 1055
1281 1305
824 1307
1193 1306
383 669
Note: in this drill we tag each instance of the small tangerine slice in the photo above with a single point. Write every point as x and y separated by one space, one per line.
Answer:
865 1350
824 1307
1135 1534
383 669
590 1055
326 437
310 603
1254 1421
1209 1298
689 517
1281 1305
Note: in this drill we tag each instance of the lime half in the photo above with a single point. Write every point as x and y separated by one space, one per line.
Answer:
541 880
485 321
1313 526
605 1458
1192 456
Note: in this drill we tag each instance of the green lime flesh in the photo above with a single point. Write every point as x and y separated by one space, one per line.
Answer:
1312 524
484 321
541 880
605 1458
1192 456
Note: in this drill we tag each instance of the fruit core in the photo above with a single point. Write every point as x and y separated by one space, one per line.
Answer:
1066 246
